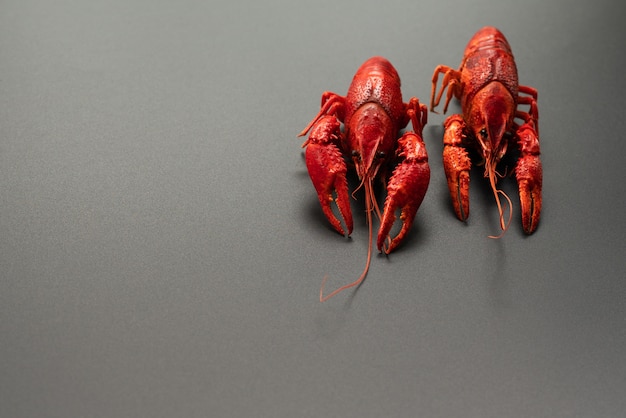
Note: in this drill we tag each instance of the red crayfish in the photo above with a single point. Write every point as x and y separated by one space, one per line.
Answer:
372 113
487 86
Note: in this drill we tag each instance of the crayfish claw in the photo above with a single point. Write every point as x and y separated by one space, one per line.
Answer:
343 204
385 242
405 191
530 202
457 165
529 174
327 170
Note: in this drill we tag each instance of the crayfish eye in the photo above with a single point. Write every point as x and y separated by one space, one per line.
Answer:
381 154
483 133
356 155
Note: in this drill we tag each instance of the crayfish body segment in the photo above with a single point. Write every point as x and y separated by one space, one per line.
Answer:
372 114
487 86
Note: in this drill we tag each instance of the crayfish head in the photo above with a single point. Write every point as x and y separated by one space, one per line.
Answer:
490 117
370 136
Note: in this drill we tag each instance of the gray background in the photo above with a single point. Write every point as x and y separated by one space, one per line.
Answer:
162 247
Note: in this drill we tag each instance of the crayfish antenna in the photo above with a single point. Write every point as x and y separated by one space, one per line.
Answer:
371 205
491 172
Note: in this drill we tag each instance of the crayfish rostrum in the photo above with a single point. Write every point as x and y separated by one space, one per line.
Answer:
372 113
487 86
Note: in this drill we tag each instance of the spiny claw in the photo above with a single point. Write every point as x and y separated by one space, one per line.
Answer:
405 191
327 170
530 201
529 176
457 165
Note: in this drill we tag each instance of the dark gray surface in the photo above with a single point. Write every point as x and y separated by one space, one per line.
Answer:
162 248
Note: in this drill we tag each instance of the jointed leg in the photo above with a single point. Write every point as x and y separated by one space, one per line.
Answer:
417 113
451 81
332 104
530 100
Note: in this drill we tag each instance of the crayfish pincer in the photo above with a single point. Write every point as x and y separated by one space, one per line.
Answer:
488 88
372 113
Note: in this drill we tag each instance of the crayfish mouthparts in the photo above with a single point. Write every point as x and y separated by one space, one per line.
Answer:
490 171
